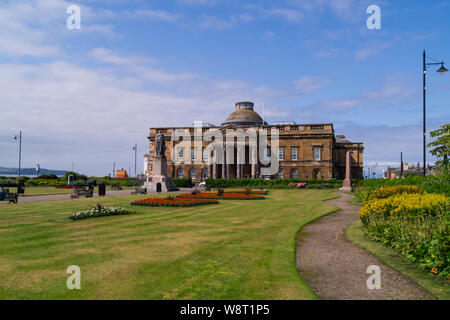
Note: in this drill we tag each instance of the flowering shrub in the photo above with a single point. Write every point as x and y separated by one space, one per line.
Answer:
100 211
172 202
224 196
415 224
407 205
386 192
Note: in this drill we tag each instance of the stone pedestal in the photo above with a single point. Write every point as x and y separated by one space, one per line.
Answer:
347 184
159 181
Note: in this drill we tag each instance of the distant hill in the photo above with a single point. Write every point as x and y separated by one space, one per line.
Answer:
29 171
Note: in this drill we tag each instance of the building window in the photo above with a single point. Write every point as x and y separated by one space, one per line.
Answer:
205 154
204 174
180 173
192 173
267 154
180 153
281 153
294 174
294 153
317 154
192 154
280 174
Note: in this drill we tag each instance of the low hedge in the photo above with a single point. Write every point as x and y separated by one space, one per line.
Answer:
273 183
182 182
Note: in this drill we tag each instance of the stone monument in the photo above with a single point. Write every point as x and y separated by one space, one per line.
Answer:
347 184
159 181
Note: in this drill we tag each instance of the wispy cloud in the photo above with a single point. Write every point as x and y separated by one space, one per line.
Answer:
153 14
307 85
290 15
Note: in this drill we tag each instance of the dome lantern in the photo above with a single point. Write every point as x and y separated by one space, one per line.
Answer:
244 115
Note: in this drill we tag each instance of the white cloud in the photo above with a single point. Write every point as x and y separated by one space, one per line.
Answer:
154 14
212 22
370 50
107 55
307 85
290 15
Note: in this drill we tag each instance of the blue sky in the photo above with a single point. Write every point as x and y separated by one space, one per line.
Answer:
87 96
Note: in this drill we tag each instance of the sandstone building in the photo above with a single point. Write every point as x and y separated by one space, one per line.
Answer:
306 151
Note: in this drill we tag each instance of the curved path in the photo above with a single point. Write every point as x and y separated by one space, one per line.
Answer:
336 269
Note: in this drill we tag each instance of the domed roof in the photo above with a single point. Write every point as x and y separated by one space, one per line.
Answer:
243 116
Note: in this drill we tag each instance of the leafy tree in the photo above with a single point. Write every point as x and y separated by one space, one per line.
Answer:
441 147
76 176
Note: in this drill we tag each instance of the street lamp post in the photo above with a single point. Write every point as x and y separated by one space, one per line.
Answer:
20 148
135 159
442 69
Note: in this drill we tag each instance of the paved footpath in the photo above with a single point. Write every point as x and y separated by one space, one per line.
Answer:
56 197
336 269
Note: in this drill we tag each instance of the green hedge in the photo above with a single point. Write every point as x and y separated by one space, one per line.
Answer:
274 183
182 182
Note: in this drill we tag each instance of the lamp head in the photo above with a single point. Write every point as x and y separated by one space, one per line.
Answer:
442 69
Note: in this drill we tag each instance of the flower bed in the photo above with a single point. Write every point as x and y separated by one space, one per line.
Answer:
408 205
386 192
100 211
415 224
173 202
224 196
260 192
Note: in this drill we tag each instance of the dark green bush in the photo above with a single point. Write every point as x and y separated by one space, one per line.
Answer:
272 184
182 182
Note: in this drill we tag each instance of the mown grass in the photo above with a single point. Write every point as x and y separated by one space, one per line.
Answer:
40 191
438 287
234 250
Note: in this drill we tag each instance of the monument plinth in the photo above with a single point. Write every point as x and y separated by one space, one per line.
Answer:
159 181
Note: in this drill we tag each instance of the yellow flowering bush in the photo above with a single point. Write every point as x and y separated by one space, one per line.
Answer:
416 224
386 192
406 204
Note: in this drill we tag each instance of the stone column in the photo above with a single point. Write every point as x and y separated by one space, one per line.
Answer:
238 171
215 169
209 171
229 171
347 185
253 171
224 166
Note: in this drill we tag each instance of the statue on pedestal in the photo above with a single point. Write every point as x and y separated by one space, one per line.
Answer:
159 181
160 145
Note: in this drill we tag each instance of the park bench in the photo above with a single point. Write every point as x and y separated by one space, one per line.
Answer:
82 192
116 187
9 196
139 191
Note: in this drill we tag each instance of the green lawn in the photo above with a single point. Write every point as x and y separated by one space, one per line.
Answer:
439 288
234 250
39 191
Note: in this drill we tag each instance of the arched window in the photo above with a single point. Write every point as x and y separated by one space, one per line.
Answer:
180 173
204 174
192 173
294 174
280 174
